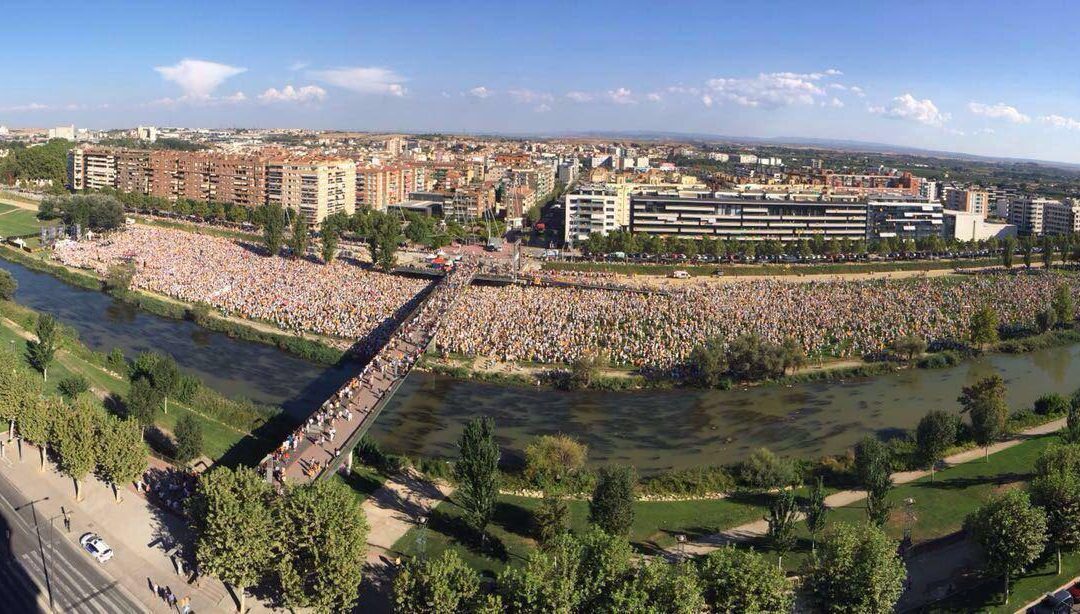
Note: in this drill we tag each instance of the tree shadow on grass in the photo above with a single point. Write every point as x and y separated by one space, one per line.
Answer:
361 483
455 528
513 519
962 483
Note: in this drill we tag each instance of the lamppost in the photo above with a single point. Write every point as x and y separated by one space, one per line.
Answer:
41 548
910 518
421 536
682 546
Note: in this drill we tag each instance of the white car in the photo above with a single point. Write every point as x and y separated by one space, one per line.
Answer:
96 546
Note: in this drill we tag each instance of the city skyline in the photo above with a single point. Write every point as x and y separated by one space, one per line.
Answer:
965 77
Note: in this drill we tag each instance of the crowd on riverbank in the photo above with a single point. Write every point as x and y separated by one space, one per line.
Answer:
339 299
835 318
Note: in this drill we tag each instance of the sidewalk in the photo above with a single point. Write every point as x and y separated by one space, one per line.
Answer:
141 534
759 528
391 512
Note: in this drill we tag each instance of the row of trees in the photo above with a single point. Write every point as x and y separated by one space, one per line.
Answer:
308 544
381 232
82 435
1066 247
46 162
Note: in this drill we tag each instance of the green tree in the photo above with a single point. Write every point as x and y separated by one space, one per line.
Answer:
764 470
142 402
121 453
658 586
935 434
984 403
1027 247
1047 247
235 529
74 434
301 236
984 326
444 584
1011 532
816 512
909 346
1058 494
1071 432
323 546
330 239
189 439
36 422
72 386
708 362
783 513
42 352
547 582
585 368
1045 320
551 518
1063 305
612 504
857 569
1008 249
551 459
272 217
118 278
605 560
8 285
873 466
736 580
477 473
165 377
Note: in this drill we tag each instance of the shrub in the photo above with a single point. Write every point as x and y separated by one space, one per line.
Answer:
765 470
72 386
1052 404
116 362
693 482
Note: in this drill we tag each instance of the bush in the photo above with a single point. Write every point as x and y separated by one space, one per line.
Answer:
116 361
693 482
7 285
1052 404
189 439
940 360
186 387
765 470
72 386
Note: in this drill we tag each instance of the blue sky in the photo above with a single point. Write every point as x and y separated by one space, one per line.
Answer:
995 78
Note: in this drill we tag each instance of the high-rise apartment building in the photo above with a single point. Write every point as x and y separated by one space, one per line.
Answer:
314 187
1061 217
471 202
969 201
1027 214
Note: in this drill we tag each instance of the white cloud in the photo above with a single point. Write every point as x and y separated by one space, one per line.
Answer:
198 78
772 90
836 103
19 108
542 108
307 93
202 101
1059 121
907 107
480 92
364 80
999 111
653 97
579 96
298 65
984 131
706 100
621 96
529 96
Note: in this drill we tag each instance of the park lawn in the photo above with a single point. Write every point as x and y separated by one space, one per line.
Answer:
656 523
15 221
362 481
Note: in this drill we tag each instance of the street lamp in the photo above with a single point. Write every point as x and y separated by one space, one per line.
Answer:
421 536
682 545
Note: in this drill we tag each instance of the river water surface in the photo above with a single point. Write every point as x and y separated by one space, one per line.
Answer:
652 430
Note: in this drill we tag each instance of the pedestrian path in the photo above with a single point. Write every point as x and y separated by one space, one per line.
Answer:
759 528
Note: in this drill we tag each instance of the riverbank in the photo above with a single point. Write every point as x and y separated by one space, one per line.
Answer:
233 431
297 344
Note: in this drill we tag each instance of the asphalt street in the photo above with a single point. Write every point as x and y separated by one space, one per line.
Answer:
38 560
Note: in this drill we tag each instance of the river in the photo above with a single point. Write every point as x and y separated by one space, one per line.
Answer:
652 430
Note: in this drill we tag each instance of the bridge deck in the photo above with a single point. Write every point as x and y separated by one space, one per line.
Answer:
323 442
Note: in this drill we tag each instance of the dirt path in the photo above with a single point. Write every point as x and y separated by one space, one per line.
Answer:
759 528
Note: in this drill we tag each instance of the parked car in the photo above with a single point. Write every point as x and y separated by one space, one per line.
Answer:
680 275
92 543
1060 602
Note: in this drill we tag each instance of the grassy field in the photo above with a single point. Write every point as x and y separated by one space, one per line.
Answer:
509 537
741 270
15 221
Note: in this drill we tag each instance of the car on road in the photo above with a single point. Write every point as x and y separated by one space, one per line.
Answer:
92 543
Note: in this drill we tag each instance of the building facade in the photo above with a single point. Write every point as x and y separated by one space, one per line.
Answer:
904 219
1061 217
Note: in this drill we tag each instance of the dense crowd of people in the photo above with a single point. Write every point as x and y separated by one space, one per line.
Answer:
833 318
169 487
338 299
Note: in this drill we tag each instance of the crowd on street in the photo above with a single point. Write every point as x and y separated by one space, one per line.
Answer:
338 299
829 318
168 487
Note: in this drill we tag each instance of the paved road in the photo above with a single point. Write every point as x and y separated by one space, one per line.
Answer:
35 561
